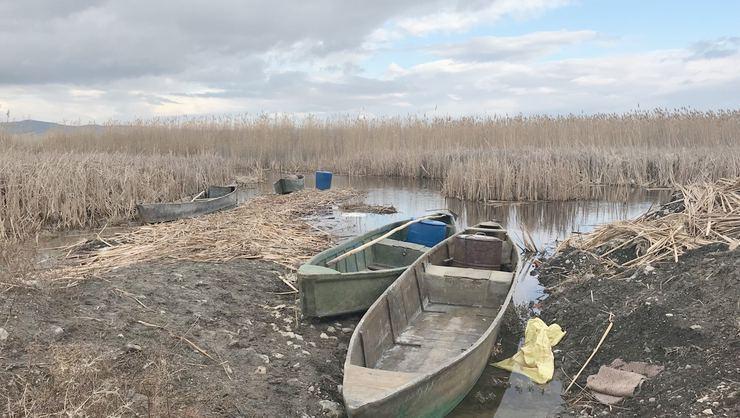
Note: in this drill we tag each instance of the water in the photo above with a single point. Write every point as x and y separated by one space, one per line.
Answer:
498 393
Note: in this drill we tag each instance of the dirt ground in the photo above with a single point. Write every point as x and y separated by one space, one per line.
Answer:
683 316
169 339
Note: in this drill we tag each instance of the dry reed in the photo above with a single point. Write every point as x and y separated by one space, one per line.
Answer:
64 190
701 214
479 158
269 227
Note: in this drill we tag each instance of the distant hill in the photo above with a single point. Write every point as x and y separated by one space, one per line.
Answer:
39 127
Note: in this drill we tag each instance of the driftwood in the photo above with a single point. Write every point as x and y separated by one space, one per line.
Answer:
380 238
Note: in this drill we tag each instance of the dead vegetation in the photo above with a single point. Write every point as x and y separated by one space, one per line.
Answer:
269 228
700 214
366 208
69 190
74 178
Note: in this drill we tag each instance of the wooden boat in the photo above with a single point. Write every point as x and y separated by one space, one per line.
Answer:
289 184
353 284
213 199
425 341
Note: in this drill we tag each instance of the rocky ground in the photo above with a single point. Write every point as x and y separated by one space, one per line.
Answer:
169 339
683 316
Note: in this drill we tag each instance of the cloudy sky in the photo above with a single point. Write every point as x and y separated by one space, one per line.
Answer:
97 60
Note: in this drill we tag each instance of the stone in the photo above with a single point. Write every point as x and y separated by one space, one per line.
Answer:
3 334
346 330
277 355
695 327
297 365
651 400
131 347
669 315
330 329
649 269
260 370
323 336
707 411
331 409
57 331
294 382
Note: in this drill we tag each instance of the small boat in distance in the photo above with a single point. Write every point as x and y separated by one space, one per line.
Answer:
362 274
289 184
425 341
213 199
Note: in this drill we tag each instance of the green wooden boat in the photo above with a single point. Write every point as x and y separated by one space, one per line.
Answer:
213 199
289 184
425 341
353 284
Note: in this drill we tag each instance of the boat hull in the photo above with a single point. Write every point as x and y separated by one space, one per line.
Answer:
424 343
349 288
218 198
288 185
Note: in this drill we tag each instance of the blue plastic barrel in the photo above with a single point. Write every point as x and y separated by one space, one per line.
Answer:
427 232
323 180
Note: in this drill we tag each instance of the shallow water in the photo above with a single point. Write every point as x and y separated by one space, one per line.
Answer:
497 393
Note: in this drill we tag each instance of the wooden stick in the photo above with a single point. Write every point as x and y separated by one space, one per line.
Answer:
603 337
380 238
198 195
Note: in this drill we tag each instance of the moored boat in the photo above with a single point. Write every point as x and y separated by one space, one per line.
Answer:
213 199
425 341
367 265
289 184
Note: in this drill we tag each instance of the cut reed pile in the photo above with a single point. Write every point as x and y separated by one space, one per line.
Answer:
268 227
700 214
65 190
366 208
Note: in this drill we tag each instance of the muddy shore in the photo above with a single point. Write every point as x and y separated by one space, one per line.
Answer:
170 339
683 316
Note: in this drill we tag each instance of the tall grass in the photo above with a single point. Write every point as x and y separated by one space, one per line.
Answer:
481 158
64 190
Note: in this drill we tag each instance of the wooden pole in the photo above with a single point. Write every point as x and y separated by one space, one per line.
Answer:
603 337
198 195
382 237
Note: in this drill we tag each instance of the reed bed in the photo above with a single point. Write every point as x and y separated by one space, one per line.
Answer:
481 158
67 190
269 228
700 214
522 158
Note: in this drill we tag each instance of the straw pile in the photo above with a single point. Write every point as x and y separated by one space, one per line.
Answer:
267 227
699 214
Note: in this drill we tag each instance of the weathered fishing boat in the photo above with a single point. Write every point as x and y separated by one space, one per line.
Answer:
289 184
213 199
425 341
353 283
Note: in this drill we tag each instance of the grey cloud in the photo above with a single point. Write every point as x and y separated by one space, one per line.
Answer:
81 42
717 48
525 47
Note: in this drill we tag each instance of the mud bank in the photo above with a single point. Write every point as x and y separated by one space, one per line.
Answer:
170 339
683 316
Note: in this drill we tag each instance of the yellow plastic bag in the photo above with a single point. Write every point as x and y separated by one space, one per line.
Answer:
535 359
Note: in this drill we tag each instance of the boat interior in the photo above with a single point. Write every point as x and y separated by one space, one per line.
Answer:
436 310
216 191
389 253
